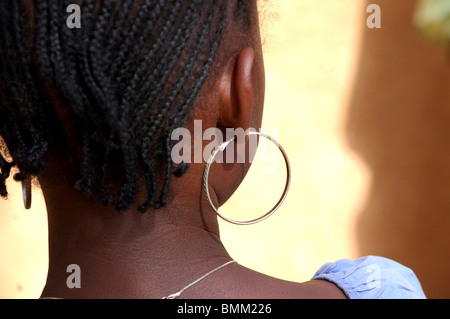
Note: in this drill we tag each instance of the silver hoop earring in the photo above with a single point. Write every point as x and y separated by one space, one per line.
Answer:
221 148
26 193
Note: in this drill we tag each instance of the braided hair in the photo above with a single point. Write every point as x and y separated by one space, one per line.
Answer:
128 77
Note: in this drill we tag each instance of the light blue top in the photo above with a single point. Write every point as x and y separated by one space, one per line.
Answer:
372 277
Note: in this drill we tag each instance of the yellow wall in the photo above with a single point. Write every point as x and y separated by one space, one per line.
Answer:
23 245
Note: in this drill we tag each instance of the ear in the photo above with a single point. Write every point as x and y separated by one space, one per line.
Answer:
237 91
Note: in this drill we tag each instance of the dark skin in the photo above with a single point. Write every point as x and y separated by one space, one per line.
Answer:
152 255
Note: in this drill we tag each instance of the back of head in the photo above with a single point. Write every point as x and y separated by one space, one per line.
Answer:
105 96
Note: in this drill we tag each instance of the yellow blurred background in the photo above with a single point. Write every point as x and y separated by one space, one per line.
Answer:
364 117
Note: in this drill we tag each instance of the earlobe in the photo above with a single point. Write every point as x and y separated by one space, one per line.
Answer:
237 91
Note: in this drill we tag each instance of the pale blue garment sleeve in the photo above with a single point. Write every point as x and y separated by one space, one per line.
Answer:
372 277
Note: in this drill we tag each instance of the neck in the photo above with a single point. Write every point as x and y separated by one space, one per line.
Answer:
129 254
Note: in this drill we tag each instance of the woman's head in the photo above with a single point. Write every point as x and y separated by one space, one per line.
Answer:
105 97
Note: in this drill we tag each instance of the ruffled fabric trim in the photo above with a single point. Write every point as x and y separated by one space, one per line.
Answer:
372 277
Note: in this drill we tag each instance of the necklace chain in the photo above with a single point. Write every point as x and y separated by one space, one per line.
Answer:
177 294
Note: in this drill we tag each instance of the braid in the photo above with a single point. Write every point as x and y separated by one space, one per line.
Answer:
150 185
5 166
126 79
189 99
22 117
163 70
156 122
177 120
134 41
151 126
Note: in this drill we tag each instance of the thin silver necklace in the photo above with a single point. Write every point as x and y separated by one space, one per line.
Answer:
177 294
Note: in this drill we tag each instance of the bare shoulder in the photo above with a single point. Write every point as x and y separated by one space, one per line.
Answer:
323 289
247 283
314 289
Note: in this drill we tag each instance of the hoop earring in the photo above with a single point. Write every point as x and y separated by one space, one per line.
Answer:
221 148
26 193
